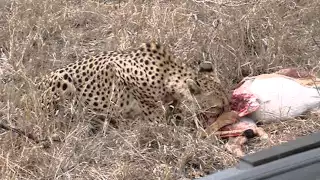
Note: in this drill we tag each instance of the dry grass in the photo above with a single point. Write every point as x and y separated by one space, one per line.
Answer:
242 37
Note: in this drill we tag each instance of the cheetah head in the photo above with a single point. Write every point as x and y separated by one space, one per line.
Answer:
209 95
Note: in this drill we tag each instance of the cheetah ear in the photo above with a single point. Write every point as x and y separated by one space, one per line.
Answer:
194 88
205 66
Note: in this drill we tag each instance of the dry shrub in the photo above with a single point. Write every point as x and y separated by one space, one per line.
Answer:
240 37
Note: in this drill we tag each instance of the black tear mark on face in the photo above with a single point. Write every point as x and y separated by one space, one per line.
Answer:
197 83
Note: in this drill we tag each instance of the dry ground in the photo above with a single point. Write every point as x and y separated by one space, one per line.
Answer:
241 37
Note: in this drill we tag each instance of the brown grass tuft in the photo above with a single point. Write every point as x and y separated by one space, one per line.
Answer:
241 37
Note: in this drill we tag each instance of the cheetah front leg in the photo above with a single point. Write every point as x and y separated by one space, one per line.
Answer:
152 112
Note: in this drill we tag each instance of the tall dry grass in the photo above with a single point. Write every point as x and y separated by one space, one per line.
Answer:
240 37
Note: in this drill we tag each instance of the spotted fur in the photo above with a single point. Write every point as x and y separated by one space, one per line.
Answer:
140 80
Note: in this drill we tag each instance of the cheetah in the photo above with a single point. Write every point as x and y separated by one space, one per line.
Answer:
146 80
